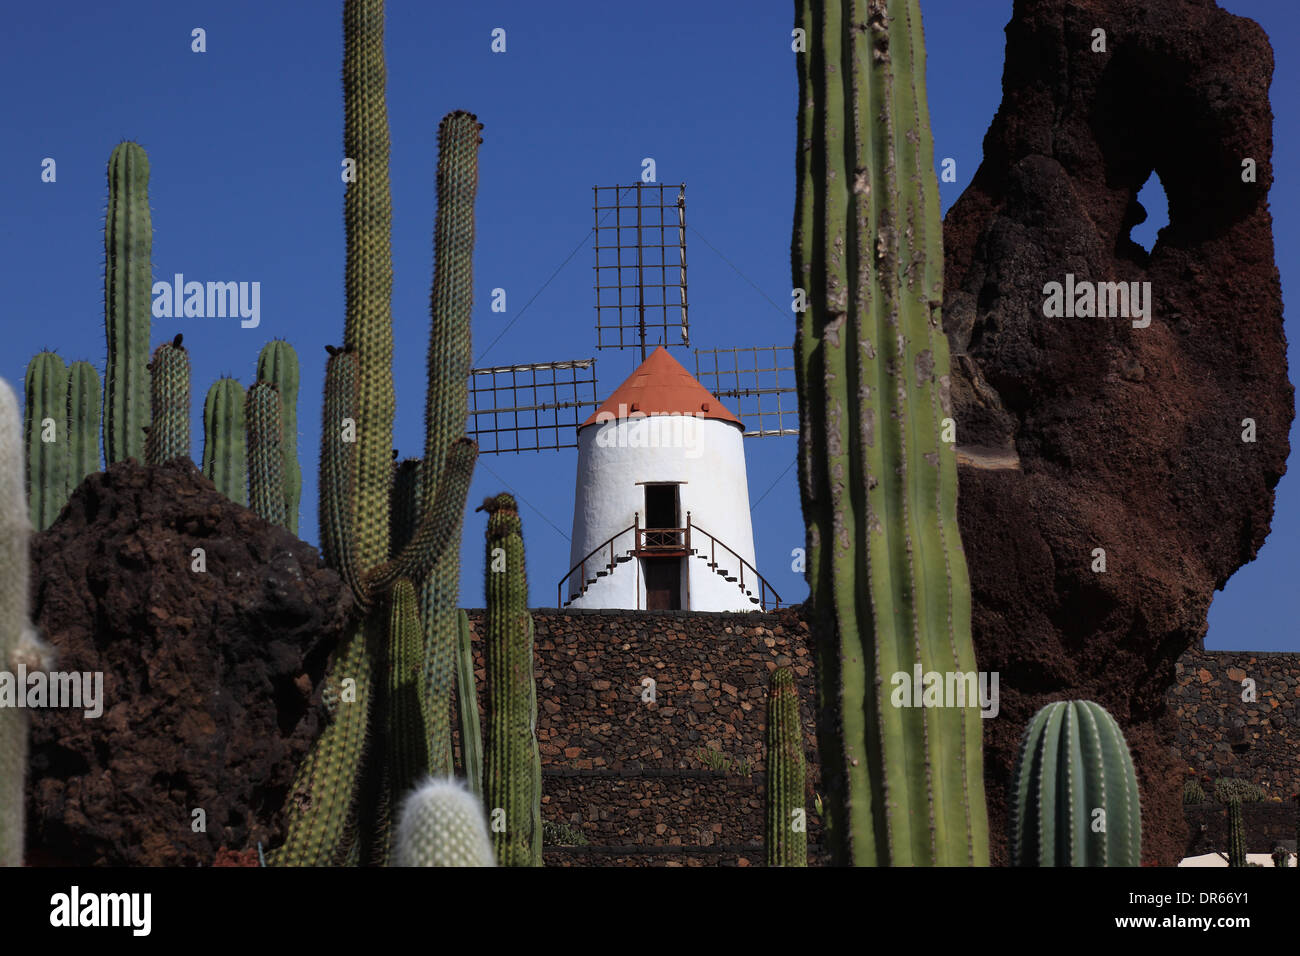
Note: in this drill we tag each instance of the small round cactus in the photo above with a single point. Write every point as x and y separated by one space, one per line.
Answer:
442 825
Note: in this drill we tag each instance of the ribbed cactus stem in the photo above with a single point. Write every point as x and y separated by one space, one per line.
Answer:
787 837
169 387
225 449
278 364
508 786
1074 791
49 453
442 825
471 731
888 582
83 421
1236 833
265 454
368 214
404 503
338 465
128 287
408 740
15 627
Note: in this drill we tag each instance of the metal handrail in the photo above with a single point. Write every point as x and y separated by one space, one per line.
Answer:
764 586
559 588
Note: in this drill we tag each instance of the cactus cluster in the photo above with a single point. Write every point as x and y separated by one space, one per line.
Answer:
391 531
1074 793
786 834
888 584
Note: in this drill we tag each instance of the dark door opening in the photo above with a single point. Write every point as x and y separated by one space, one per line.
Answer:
661 506
663 584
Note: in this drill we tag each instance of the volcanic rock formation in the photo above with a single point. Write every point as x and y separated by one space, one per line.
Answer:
1088 433
210 676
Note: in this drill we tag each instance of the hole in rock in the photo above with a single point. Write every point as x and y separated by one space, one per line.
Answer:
1152 198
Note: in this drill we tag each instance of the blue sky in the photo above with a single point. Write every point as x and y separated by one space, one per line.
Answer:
245 141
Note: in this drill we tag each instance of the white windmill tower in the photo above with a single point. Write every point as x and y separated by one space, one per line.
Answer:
661 515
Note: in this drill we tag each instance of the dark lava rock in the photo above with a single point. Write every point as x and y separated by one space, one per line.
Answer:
1085 433
207 676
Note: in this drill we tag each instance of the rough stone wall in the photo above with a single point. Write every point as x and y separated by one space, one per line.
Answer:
625 772
1221 735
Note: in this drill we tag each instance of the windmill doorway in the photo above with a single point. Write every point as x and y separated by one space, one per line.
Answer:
662 547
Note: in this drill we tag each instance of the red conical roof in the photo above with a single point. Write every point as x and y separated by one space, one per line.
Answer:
661 386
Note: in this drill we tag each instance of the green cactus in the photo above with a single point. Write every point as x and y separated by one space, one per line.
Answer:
888 583
128 287
786 835
408 740
1236 834
404 504
15 527
357 534
265 452
442 825
168 435
510 747
45 428
471 732
1074 792
225 449
278 364
83 422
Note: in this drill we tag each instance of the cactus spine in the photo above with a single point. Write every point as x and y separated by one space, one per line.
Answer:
49 453
1236 833
356 469
787 837
15 527
128 285
471 732
511 746
265 452
83 422
278 364
442 825
224 447
169 385
887 576
1074 770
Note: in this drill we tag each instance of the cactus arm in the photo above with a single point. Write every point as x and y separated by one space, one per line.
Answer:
338 467
83 421
225 449
265 453
49 463
169 391
128 274
408 741
368 330
278 364
471 733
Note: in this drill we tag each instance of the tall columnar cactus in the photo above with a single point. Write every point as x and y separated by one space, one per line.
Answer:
888 582
128 286
83 422
1074 791
265 452
356 469
169 387
19 645
278 364
405 503
442 825
225 449
787 837
471 731
1236 834
49 453
511 746
408 739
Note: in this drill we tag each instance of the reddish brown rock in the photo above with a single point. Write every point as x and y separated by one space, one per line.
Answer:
208 676
1085 433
